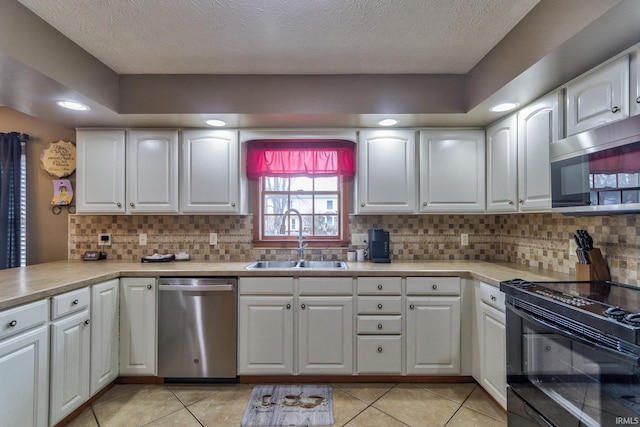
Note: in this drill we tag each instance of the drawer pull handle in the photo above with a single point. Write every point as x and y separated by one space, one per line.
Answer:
86 322
379 287
615 109
288 306
412 307
492 298
13 323
75 302
303 306
380 326
379 306
434 287
379 349
149 287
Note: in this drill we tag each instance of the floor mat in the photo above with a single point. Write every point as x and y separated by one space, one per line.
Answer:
290 405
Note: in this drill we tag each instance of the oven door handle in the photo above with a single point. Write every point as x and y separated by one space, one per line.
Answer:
618 354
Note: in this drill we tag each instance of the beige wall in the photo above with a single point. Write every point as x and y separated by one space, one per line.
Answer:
47 234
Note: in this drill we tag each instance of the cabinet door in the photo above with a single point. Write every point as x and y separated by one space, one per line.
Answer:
24 369
210 174
325 335
100 171
502 163
70 349
433 335
538 127
152 171
493 357
104 334
452 171
265 341
386 172
599 97
138 334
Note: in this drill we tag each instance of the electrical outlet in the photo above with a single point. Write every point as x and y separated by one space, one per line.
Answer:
573 246
358 239
142 239
213 238
104 239
464 239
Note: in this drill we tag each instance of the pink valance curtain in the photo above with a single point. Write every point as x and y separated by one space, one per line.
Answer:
289 158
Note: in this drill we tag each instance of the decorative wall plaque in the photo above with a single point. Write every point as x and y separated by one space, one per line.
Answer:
59 159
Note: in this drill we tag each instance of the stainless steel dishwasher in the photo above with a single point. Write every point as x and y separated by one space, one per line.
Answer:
197 324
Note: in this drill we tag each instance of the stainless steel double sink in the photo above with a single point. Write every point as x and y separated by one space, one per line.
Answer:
298 265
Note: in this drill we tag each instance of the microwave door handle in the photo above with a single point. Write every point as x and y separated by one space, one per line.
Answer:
623 356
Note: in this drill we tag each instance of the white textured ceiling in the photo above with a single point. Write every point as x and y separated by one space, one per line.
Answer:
285 36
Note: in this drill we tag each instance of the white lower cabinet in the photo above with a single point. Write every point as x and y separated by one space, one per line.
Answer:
138 332
105 322
433 325
70 352
24 365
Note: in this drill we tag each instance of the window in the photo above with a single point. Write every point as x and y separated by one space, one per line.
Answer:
309 177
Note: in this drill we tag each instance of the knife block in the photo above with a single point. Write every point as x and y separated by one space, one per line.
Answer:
596 270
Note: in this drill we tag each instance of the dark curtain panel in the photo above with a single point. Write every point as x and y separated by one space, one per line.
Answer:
10 151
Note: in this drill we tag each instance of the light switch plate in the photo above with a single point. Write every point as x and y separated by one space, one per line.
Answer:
464 239
358 239
213 238
142 239
104 239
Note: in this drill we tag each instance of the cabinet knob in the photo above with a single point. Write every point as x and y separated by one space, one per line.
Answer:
119 204
379 349
13 323
547 348
380 326
434 287
638 100
303 306
379 306
132 205
86 322
520 201
233 205
411 307
492 298
75 302
511 202
424 203
379 287
362 205
288 306
149 287
615 109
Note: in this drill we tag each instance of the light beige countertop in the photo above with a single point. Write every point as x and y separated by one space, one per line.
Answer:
21 285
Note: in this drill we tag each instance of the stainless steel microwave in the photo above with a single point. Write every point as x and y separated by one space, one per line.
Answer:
597 171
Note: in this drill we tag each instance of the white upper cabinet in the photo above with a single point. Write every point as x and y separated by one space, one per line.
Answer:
152 171
210 178
452 170
599 97
386 172
100 171
635 83
502 161
538 127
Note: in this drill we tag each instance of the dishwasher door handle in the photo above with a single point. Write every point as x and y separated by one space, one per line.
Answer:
199 288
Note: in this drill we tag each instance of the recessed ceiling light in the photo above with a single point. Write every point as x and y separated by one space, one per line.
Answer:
215 122
73 105
505 106
387 122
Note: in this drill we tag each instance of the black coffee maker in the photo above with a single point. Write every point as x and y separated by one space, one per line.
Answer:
378 245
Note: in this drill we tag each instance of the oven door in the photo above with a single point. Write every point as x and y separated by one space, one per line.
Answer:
565 379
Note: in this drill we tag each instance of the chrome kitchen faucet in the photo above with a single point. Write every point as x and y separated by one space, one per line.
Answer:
300 238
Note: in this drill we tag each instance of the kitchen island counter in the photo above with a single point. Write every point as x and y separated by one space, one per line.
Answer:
26 284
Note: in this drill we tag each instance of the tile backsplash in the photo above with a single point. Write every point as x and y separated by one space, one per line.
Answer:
538 240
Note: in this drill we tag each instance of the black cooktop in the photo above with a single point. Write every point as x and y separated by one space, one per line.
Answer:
611 307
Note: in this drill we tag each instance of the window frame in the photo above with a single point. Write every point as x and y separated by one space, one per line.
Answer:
339 241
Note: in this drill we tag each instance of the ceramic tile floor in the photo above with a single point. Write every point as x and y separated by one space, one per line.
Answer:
355 405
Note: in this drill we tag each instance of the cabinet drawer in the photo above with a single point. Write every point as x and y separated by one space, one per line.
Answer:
73 301
326 286
266 286
380 325
379 286
21 318
433 286
379 305
492 296
379 354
